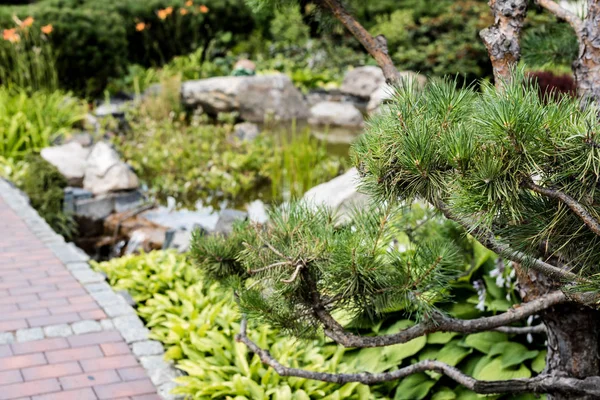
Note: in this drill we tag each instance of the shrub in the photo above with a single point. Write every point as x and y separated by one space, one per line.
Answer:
44 185
31 121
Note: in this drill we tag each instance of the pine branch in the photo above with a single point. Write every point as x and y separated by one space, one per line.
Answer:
539 384
564 14
437 323
377 47
573 204
486 238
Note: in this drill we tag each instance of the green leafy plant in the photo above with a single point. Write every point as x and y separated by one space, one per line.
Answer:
44 185
30 121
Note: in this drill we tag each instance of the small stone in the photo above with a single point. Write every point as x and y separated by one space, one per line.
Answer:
86 326
98 287
158 369
131 328
246 131
6 338
165 391
30 334
79 266
107 325
119 310
107 299
61 330
85 277
148 348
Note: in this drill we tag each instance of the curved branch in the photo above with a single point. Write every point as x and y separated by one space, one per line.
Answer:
539 384
439 323
517 330
377 47
564 14
570 202
486 238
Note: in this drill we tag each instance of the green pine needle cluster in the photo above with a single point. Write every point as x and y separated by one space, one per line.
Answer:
387 259
476 150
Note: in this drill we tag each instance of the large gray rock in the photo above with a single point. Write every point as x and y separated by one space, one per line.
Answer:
69 159
335 114
105 172
252 96
362 81
339 194
246 131
226 220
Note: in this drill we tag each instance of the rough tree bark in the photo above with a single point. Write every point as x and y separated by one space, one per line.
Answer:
573 330
586 68
502 38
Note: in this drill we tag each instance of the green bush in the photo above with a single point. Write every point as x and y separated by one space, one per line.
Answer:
44 185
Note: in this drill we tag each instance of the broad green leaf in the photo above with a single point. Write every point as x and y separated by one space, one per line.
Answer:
485 340
512 353
440 337
494 371
539 363
414 387
491 287
444 393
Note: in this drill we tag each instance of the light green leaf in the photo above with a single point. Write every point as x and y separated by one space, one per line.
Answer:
444 393
512 353
414 387
485 340
440 337
494 371
539 363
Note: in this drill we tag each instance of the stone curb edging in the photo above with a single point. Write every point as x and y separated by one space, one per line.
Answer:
122 316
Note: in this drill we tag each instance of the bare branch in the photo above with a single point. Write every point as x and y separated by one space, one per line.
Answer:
294 275
377 47
570 202
438 323
518 330
486 238
539 384
564 14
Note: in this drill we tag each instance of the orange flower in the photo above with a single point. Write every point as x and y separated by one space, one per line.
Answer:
11 35
169 10
27 22
203 9
47 29
162 14
140 26
189 3
183 11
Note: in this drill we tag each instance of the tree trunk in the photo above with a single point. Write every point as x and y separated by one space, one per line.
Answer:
502 38
573 333
586 67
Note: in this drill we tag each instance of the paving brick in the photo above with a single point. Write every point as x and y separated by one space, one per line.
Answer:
94 338
89 379
9 326
39 312
60 330
29 334
86 326
147 397
25 298
7 308
5 351
33 289
53 319
39 346
95 315
16 284
6 337
123 389
115 349
132 374
18 390
78 394
24 361
51 371
12 376
81 353
71 308
81 299
104 363
37 303
63 293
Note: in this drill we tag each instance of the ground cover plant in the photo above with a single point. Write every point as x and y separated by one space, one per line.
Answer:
197 319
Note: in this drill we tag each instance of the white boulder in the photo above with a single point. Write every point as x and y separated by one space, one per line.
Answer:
105 172
69 159
336 114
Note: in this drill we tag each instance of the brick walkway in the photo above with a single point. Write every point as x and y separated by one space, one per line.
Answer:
56 339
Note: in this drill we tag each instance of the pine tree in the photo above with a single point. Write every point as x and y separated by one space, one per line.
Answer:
517 172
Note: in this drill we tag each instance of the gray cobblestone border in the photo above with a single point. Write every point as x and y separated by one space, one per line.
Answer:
122 315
